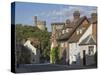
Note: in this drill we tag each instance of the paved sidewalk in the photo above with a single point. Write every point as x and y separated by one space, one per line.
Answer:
49 67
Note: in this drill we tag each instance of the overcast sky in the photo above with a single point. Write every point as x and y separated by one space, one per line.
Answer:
48 12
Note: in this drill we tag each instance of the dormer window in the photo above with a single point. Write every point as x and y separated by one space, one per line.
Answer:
63 31
79 31
67 30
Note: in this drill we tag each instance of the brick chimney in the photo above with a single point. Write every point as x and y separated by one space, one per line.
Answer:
93 17
76 15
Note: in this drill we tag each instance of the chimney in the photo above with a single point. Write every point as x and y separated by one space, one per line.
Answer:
68 22
35 20
76 15
93 17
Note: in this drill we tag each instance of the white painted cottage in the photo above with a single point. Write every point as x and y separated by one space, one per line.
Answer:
88 50
35 51
81 32
70 42
82 46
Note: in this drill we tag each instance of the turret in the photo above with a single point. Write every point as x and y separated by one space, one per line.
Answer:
35 20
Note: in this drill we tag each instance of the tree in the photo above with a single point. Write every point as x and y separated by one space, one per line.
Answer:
26 31
54 55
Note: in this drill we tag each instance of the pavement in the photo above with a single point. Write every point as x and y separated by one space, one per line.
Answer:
24 68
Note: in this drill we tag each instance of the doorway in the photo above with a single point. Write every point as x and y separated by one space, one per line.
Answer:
84 57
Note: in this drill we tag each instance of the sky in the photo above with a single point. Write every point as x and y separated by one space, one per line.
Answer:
50 13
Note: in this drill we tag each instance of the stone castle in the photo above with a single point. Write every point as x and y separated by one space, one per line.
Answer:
40 24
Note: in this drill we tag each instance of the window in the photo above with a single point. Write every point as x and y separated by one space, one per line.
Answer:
83 28
79 31
62 44
91 50
63 31
67 30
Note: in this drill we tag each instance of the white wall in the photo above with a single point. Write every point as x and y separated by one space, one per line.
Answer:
35 51
74 53
31 47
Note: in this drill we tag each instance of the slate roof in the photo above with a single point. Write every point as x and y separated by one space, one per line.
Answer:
89 40
71 36
75 37
64 37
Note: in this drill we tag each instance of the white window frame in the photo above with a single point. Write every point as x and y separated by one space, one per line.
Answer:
91 50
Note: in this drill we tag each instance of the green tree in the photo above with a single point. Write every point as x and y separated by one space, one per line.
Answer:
26 31
54 55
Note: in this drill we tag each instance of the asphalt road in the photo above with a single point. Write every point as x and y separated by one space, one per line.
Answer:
49 67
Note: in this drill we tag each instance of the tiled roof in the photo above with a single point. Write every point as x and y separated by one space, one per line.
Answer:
75 37
64 37
89 40
71 34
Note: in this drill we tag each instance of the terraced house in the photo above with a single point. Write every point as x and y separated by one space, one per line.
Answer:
77 40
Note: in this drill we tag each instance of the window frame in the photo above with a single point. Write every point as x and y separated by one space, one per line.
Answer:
91 50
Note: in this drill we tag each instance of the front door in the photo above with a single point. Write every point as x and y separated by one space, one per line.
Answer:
84 57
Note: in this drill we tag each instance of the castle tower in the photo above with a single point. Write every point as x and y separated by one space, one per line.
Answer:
44 23
35 20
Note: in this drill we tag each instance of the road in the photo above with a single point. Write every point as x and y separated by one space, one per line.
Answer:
49 67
